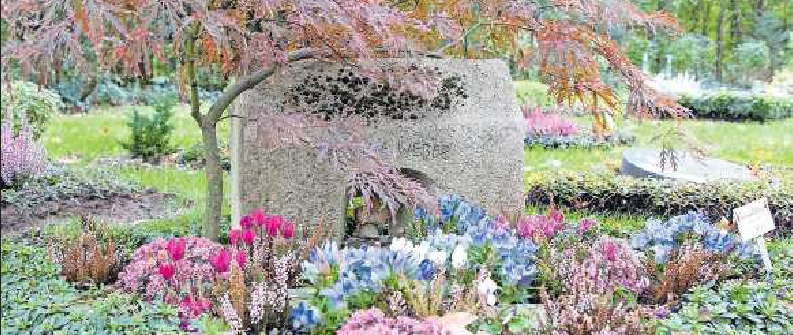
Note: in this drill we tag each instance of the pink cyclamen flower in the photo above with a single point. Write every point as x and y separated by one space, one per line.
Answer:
242 258
586 224
556 215
259 217
610 251
221 261
273 224
248 236
166 271
288 230
176 248
246 222
194 307
235 235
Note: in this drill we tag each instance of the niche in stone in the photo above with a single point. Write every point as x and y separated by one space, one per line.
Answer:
373 223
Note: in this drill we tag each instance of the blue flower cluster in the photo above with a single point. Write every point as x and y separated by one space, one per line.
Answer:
304 316
663 237
516 255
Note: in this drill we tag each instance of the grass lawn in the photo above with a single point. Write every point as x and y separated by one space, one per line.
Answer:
101 132
770 143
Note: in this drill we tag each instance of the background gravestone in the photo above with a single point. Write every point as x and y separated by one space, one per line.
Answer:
645 163
467 140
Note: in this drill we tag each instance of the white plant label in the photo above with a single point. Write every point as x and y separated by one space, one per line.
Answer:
754 220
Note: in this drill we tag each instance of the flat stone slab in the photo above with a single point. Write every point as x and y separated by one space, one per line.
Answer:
645 163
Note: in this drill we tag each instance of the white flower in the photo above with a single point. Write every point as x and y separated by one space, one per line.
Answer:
438 257
487 289
401 244
420 251
459 256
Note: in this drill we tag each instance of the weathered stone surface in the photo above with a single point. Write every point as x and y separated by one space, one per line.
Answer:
645 163
470 142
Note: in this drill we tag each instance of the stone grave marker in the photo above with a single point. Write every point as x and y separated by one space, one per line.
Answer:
466 140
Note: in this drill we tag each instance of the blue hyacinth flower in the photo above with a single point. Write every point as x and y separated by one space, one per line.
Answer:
305 316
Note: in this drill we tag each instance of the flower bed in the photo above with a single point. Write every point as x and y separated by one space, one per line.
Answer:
551 130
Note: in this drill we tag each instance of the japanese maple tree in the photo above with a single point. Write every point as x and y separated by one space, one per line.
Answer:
248 40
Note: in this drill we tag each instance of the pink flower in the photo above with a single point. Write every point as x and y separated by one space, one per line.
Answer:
556 215
273 224
166 271
234 236
241 258
610 250
288 230
259 217
221 261
194 307
248 236
246 222
501 222
586 224
176 248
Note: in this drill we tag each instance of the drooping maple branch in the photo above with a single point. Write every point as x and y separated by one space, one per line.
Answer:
250 81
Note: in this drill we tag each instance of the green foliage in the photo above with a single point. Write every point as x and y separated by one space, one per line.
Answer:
729 105
607 192
36 301
150 137
31 102
532 93
751 308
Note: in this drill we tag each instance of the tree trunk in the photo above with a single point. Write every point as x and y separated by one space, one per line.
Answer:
214 175
735 24
706 18
719 41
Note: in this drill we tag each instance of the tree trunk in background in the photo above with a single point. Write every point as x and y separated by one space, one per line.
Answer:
719 41
695 15
214 175
706 18
735 24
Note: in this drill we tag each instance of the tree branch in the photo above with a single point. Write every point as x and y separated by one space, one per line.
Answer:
248 82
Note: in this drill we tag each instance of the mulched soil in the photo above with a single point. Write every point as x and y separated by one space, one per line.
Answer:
121 208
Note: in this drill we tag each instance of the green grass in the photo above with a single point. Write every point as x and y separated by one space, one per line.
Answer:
101 132
770 143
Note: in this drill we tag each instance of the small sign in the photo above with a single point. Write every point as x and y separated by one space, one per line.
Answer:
754 220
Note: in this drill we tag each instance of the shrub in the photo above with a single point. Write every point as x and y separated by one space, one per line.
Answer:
150 137
91 257
36 301
374 321
21 157
607 192
29 103
729 105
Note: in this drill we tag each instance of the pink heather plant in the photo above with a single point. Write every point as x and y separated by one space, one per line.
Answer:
373 321
152 267
21 156
607 265
539 123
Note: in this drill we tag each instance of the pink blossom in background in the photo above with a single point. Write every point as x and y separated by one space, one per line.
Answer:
586 224
539 123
